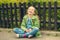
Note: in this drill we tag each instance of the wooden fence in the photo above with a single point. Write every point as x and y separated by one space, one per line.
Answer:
9 16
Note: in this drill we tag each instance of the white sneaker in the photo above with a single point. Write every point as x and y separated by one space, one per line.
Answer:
30 36
17 35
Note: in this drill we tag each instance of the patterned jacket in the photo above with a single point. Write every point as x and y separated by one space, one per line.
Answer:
35 23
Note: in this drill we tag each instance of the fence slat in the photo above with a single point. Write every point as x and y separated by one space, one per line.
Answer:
7 13
0 18
3 13
44 15
11 15
55 15
49 16
15 12
39 13
21 9
24 5
20 13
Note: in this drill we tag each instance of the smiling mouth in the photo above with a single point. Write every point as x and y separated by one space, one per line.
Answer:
30 11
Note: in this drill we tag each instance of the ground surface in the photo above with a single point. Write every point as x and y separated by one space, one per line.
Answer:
8 34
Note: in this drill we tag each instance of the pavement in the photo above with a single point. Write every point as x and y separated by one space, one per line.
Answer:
8 34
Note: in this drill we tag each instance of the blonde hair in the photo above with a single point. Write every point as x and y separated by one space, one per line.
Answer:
35 11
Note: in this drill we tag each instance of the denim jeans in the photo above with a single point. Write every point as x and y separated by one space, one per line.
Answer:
25 34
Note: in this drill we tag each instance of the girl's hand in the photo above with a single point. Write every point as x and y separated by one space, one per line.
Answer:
30 30
27 30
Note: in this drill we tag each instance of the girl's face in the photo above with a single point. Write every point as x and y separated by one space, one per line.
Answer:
31 10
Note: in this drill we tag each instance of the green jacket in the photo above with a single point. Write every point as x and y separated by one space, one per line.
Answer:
35 23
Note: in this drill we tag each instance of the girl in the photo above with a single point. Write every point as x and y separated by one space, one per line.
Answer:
30 25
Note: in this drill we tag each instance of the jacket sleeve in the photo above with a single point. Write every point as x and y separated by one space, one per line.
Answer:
37 22
23 24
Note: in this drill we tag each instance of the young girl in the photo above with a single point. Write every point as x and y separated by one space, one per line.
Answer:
30 25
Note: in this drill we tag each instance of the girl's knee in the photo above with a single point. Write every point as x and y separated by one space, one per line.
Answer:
18 31
36 28
15 29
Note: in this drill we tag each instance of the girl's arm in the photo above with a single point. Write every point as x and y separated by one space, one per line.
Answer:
37 22
23 24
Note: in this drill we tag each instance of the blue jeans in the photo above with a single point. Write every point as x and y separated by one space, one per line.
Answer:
26 34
